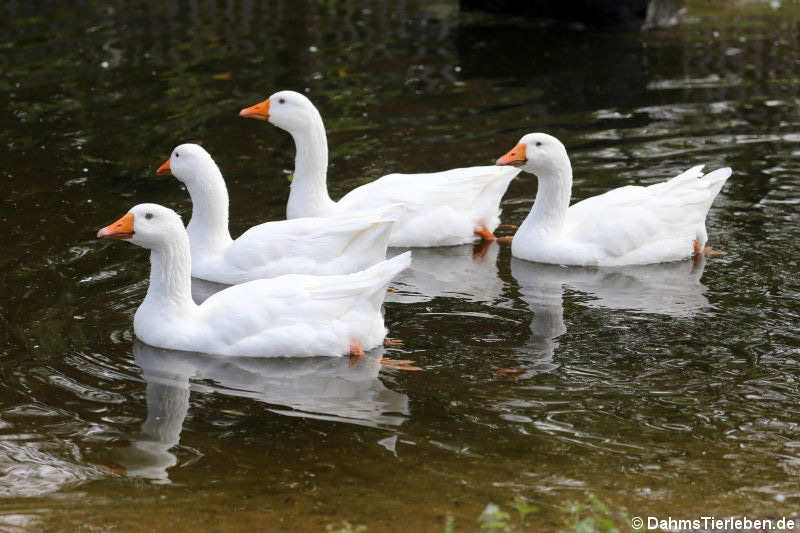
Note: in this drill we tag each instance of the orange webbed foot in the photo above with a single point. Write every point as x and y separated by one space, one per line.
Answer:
391 342
705 251
356 352
483 232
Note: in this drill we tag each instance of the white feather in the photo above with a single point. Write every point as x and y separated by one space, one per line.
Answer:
291 315
442 208
318 246
625 226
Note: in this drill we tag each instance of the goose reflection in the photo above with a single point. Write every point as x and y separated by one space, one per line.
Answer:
672 289
328 388
465 272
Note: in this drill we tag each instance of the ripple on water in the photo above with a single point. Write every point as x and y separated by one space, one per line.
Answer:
103 367
11 521
99 276
712 80
77 389
36 410
127 297
33 469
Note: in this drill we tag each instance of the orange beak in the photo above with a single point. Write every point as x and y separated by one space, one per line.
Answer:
515 157
164 169
121 229
258 111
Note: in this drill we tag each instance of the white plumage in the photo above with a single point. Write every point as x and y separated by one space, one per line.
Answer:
625 226
319 246
292 315
442 208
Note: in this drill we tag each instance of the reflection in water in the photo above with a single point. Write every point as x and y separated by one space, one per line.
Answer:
672 289
30 469
325 388
167 375
451 271
465 272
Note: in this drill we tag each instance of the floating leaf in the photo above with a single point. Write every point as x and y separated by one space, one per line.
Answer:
392 342
510 372
399 364
112 469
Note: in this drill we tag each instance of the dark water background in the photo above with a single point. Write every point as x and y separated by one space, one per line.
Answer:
669 390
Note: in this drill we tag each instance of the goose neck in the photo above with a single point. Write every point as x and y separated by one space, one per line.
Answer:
549 211
170 289
208 228
309 189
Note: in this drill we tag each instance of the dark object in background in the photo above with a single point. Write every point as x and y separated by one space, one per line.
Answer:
568 68
650 13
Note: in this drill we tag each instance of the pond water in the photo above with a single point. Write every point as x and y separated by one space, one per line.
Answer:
671 390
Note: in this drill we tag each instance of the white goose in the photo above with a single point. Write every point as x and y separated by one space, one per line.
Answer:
315 246
443 208
292 315
626 226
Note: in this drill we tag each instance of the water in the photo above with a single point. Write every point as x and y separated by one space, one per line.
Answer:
665 390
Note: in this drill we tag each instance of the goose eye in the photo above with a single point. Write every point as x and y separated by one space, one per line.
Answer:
281 100
148 216
538 143
177 154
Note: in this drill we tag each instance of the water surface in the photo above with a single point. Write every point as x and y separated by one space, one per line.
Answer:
664 390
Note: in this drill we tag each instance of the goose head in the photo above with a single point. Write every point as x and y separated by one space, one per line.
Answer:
150 226
188 162
538 153
289 110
